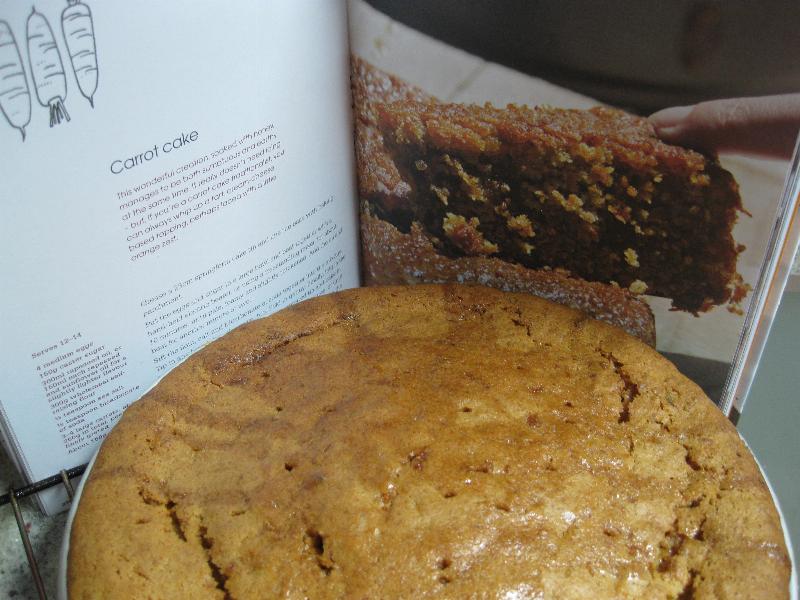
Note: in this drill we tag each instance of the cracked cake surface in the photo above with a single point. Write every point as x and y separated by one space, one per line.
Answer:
426 441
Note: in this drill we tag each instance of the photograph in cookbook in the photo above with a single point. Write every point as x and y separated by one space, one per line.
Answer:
557 183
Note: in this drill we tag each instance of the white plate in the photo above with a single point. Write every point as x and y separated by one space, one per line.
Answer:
61 584
61 591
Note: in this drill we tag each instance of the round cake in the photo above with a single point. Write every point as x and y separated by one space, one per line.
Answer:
426 441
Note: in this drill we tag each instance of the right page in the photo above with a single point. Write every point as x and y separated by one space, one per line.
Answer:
554 181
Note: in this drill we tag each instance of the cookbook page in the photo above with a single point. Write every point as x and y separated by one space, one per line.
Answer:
554 182
170 170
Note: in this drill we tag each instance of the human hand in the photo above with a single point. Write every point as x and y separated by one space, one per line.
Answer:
765 126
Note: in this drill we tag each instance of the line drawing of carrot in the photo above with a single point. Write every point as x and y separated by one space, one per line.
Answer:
78 30
47 69
15 96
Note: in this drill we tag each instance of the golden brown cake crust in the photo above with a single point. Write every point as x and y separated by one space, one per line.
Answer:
426 441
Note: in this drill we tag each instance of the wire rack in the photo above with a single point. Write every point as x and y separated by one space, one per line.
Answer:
13 496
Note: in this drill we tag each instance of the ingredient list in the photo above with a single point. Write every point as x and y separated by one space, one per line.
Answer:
80 377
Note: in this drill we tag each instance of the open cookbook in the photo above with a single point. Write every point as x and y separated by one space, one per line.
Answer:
172 170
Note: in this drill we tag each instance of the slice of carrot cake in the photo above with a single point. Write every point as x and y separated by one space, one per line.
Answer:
594 192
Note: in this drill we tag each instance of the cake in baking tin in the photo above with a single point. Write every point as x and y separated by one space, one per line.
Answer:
426 441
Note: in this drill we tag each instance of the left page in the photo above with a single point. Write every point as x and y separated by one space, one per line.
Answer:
170 170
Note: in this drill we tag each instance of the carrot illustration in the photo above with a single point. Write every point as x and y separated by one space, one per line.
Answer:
15 97
46 67
78 30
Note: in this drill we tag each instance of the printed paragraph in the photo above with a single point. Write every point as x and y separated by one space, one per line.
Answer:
156 212
200 308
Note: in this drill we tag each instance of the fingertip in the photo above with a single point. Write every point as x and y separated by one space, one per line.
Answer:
669 134
669 117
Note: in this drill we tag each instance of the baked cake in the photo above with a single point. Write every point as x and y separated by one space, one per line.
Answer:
426 441
594 192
